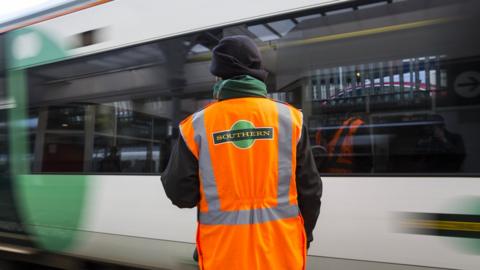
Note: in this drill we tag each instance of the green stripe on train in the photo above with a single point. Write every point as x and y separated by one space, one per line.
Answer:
51 206
468 205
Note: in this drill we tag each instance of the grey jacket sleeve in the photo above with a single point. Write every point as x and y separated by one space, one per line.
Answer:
309 185
180 179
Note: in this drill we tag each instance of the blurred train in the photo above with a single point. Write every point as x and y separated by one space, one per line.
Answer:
90 103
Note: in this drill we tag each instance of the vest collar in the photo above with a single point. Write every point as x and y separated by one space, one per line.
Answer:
238 87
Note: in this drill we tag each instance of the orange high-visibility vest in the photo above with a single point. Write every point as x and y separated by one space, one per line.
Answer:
340 148
248 211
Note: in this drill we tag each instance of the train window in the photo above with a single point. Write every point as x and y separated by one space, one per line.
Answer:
386 87
116 112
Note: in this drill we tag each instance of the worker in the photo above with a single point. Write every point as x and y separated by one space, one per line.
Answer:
345 152
245 162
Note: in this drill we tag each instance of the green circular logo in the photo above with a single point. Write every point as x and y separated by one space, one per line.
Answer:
248 141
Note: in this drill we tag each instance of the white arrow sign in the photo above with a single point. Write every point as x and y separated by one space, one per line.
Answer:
467 84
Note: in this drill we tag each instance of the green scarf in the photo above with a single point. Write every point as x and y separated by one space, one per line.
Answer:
239 86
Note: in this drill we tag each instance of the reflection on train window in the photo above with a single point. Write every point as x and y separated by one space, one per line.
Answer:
63 153
385 88
105 138
117 112
383 118
66 118
392 87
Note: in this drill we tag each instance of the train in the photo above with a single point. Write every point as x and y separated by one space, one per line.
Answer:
91 96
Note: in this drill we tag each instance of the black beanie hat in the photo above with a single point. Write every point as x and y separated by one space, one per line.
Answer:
237 55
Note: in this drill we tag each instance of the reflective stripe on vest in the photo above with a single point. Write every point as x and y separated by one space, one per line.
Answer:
284 209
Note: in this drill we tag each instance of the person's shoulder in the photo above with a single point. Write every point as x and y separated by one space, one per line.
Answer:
295 114
197 113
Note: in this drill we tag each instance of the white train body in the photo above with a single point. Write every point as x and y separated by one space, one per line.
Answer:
125 217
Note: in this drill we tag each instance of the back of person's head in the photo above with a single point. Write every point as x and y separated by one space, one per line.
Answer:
237 55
